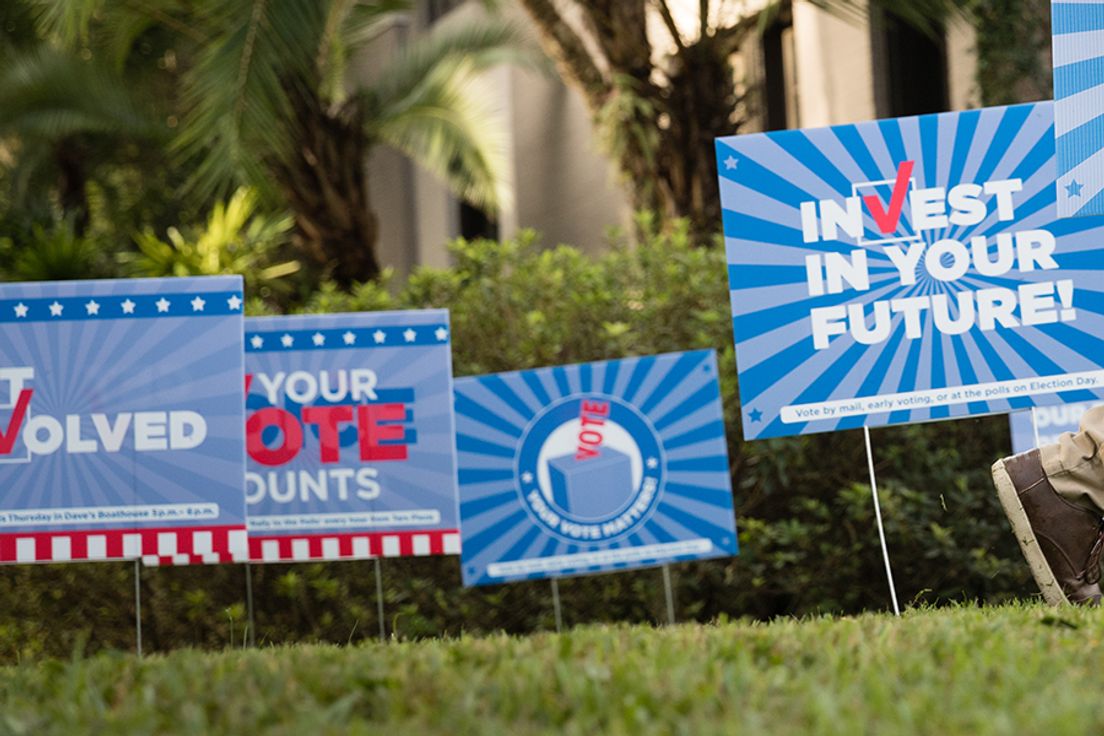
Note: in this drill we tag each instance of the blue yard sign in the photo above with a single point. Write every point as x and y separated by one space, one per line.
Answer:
1079 105
593 467
907 271
1053 421
350 436
121 412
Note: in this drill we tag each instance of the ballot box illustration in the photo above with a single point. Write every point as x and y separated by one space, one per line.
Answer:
589 468
593 486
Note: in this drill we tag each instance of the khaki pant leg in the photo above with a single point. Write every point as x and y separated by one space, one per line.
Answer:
1075 465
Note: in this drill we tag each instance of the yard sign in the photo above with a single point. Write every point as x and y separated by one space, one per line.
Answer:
121 414
593 467
907 271
350 436
1078 27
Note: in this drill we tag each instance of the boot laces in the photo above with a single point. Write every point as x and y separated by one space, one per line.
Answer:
1091 573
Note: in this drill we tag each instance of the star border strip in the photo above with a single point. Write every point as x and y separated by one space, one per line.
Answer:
121 306
402 336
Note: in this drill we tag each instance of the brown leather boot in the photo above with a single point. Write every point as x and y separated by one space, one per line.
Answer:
1061 541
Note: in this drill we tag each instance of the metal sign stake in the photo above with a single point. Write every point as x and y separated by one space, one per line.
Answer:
878 516
138 605
669 592
250 637
379 601
556 605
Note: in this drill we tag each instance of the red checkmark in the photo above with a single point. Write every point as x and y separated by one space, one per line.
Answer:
7 438
887 220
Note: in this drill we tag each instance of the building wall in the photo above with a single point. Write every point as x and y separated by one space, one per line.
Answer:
564 187
835 74
962 66
836 59
560 183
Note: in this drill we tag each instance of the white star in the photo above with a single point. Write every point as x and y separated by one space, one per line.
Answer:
287 340
20 310
379 336
441 333
128 306
349 338
257 341
234 302
652 463
92 307
527 478
55 309
318 338
162 304
409 335
198 304
730 163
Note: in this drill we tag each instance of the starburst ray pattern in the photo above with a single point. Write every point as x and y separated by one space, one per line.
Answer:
931 354
1079 105
595 467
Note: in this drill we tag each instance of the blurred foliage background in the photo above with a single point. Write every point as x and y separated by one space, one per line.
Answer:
127 149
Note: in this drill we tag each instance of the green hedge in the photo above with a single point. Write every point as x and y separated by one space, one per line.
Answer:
803 504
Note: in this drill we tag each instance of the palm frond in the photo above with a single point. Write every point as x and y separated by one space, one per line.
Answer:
333 54
367 19
48 93
111 25
125 36
239 94
463 48
116 40
67 20
428 105
350 26
450 130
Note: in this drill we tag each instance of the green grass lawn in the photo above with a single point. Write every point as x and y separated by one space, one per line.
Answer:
1022 669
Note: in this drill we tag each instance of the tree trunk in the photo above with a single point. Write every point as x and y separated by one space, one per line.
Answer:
72 179
701 103
672 171
326 185
662 139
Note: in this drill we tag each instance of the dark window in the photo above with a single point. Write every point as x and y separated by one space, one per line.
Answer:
779 77
475 224
910 69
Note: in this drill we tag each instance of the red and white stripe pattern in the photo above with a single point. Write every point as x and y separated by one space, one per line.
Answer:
173 546
353 546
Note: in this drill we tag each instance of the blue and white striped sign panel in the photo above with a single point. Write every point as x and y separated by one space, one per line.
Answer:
1079 105
908 270
592 468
